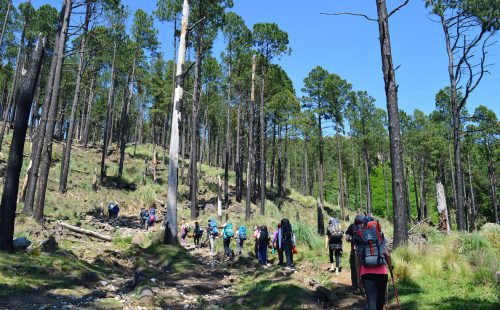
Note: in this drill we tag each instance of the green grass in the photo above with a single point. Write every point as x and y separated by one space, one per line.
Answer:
452 272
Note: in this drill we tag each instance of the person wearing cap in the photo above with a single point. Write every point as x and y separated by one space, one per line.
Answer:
351 236
276 245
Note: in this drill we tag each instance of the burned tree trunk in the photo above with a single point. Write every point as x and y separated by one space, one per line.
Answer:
25 93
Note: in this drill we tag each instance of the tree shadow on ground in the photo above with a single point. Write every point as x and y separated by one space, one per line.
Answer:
114 182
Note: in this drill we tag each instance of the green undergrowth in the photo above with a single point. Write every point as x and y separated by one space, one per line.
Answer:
22 272
451 272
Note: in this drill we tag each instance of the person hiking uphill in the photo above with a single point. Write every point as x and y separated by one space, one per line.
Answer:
212 234
276 246
333 241
184 232
263 241
255 235
286 241
372 257
227 234
198 233
349 236
240 237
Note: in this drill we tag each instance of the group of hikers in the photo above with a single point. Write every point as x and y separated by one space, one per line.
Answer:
369 259
282 240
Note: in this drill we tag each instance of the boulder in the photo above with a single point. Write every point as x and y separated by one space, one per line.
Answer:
146 297
21 243
138 238
490 227
209 208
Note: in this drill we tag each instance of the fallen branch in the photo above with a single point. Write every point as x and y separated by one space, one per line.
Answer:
161 203
418 224
86 232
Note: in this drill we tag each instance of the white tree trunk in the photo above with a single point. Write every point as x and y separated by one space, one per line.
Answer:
442 208
171 218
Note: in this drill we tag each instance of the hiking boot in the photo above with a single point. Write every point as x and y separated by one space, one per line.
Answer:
336 271
332 267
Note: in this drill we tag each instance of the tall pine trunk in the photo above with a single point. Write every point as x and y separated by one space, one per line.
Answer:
250 163
125 120
170 236
193 156
49 134
63 180
109 107
320 149
88 114
391 91
262 147
341 173
25 94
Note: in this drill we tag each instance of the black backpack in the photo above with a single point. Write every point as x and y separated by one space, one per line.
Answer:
264 235
286 230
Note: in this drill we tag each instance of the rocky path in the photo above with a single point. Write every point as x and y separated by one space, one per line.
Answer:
172 278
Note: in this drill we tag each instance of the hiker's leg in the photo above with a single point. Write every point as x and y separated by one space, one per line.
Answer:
370 285
241 246
330 251
381 290
212 243
338 258
280 256
352 264
288 254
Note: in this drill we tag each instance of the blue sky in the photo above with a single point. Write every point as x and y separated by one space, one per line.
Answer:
349 47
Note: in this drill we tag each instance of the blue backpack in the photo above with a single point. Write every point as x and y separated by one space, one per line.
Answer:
242 232
213 228
228 231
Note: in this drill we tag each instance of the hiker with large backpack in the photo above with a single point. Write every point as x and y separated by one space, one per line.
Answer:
197 234
372 257
286 241
240 237
350 236
276 245
212 234
263 241
227 234
333 241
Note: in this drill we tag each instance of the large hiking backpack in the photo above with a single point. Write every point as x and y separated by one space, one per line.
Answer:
214 231
286 230
371 245
242 232
228 231
152 216
335 231
263 235
198 231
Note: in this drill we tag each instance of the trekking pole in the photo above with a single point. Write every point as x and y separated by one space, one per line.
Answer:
394 286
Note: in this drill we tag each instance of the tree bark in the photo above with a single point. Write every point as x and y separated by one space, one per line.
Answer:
321 221
88 114
170 236
125 120
386 192
239 166
46 154
273 158
250 165
109 106
25 94
193 173
262 147
400 214
493 181
63 180
320 172
5 20
473 201
340 174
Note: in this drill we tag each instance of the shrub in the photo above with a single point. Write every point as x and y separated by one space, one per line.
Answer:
472 242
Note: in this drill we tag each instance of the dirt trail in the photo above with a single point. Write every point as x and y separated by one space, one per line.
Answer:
209 282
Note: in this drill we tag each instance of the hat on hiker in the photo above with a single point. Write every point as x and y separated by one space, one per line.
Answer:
359 219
